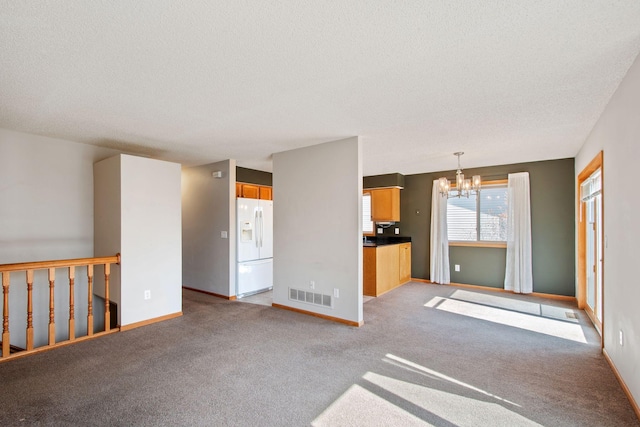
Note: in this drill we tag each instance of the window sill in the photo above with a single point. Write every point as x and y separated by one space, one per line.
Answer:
479 244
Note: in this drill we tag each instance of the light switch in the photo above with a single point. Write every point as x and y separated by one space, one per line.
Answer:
224 234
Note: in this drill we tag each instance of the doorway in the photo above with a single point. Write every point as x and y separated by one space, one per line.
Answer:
591 242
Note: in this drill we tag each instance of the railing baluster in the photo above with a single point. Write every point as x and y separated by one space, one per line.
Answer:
90 299
107 313
52 320
29 309
72 311
6 343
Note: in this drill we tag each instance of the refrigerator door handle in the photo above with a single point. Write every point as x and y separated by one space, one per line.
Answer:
255 224
261 229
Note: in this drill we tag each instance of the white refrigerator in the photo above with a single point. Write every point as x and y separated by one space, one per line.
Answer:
255 246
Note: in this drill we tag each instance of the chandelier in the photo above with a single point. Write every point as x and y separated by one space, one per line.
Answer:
464 187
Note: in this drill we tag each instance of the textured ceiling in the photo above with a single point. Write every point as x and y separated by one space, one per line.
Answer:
201 81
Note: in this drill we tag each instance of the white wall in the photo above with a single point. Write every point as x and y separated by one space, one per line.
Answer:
46 197
46 213
208 208
617 133
317 195
149 226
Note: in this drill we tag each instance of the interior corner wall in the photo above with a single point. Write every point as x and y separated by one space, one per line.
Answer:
148 220
208 209
108 223
317 220
552 227
617 134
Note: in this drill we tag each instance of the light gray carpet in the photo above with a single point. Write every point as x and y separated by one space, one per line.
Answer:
232 363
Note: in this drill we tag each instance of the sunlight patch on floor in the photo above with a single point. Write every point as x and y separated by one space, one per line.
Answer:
360 407
391 401
528 307
457 409
403 363
542 325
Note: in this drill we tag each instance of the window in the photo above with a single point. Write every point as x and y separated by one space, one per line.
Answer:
479 219
367 224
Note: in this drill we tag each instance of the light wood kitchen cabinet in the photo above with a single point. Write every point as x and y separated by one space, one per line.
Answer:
385 204
266 193
253 191
250 191
385 267
405 262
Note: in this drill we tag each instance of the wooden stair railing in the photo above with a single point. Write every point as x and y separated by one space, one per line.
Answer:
50 266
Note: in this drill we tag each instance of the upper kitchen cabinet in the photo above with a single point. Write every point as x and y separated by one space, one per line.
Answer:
265 193
253 191
250 191
385 204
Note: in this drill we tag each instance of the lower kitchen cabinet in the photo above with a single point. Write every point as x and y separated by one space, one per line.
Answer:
405 262
385 267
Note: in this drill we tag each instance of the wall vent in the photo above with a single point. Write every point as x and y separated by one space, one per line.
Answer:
311 297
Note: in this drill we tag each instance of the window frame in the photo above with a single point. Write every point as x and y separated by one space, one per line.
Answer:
373 224
481 243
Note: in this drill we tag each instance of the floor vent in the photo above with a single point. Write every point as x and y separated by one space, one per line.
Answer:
311 297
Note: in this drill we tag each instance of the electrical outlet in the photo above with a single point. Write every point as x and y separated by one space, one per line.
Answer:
621 338
336 293
457 267
147 294
224 235
312 284
397 230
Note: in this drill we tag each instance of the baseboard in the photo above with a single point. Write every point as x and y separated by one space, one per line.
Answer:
230 298
489 288
626 390
321 316
150 321
554 296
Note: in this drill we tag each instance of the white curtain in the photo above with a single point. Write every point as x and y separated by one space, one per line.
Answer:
439 238
518 275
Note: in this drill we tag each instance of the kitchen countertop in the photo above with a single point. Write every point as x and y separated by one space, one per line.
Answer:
375 241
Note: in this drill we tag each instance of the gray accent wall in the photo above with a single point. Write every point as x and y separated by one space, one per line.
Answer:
317 226
552 228
381 181
253 176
